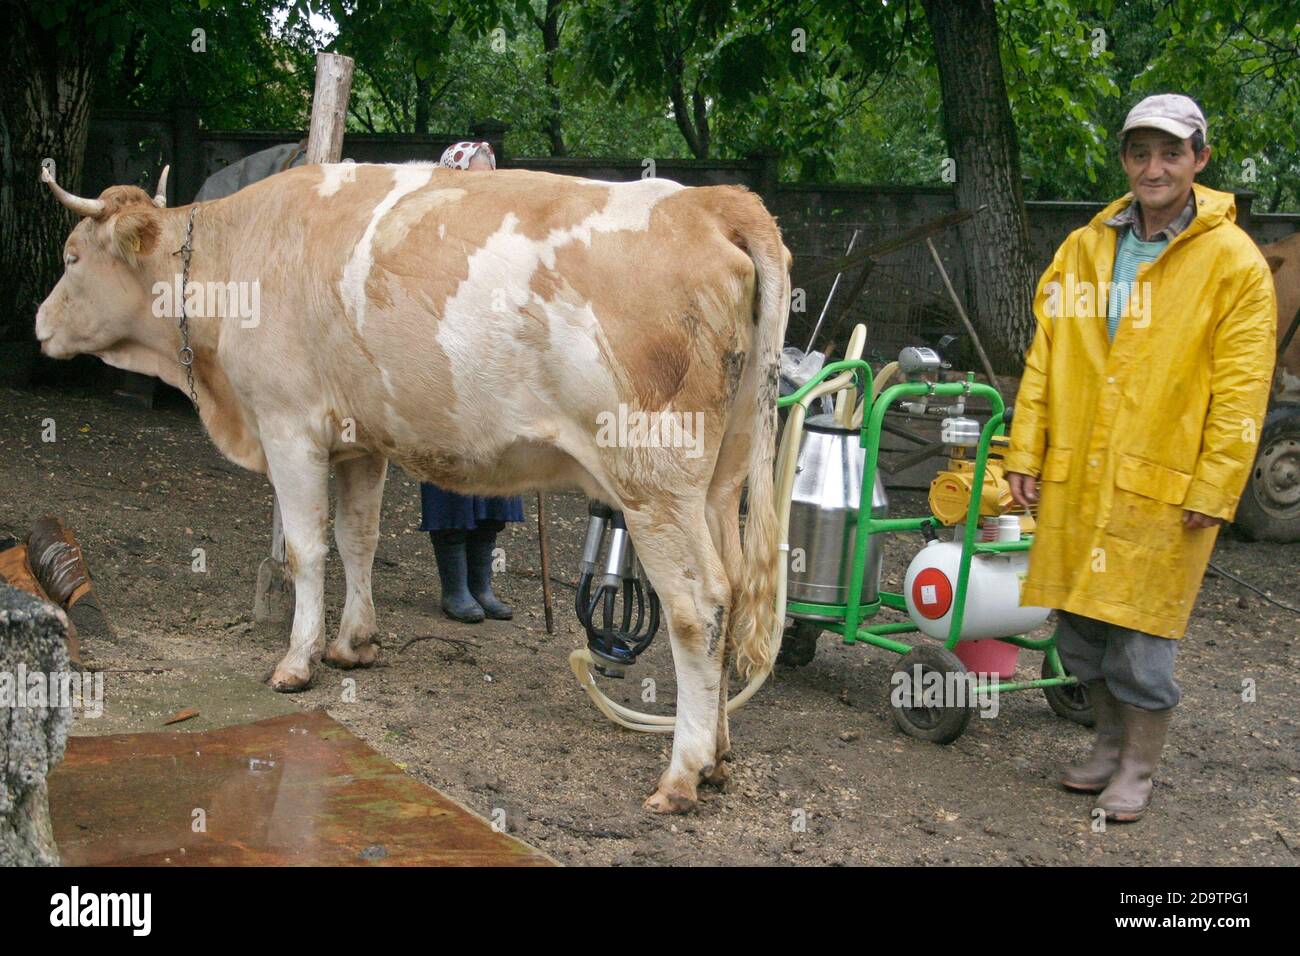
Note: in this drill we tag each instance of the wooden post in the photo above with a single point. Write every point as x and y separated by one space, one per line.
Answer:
274 599
965 319
329 108
546 564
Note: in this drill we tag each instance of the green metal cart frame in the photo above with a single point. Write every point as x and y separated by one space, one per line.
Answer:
847 619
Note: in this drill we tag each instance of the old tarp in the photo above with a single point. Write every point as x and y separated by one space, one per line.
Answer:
252 169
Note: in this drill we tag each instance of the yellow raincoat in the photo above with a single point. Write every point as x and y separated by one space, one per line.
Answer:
1123 437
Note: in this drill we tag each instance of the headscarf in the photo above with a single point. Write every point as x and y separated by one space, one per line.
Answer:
458 155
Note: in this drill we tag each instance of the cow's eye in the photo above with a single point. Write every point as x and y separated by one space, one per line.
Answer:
70 258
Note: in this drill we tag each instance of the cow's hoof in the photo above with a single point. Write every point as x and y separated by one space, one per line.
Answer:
337 655
286 680
716 776
341 657
661 802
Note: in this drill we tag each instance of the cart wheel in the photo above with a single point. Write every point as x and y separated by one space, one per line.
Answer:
799 644
940 724
1068 700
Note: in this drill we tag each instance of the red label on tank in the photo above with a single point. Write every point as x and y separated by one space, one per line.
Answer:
932 593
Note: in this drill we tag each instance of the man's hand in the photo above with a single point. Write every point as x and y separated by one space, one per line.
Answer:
1024 488
1194 520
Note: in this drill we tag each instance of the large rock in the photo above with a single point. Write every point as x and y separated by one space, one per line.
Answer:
32 737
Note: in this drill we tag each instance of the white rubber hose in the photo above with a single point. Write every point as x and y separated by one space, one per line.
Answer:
580 661
847 399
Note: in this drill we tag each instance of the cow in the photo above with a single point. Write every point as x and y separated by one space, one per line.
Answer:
476 329
1283 257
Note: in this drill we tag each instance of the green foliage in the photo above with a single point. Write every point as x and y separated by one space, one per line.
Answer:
1241 61
235 69
840 89
1059 71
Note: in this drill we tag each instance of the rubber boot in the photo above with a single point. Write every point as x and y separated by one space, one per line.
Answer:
457 603
1093 775
1128 795
479 549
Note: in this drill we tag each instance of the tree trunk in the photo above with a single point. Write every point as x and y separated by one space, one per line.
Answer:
421 105
551 45
33 737
981 136
697 139
45 94
701 121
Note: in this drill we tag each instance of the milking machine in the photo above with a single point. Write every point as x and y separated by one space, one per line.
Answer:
961 591
620 612
621 615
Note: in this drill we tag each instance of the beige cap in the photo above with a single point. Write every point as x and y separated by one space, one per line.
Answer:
1173 113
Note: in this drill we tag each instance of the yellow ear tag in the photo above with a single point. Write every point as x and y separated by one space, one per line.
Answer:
135 244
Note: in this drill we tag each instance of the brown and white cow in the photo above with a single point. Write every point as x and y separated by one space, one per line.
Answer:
1283 258
476 329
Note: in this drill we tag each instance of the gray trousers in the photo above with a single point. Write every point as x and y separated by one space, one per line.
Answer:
1138 668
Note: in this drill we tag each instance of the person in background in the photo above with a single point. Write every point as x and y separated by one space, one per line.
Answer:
464 528
1137 424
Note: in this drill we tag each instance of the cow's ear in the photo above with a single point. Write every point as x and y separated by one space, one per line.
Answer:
133 233
1274 262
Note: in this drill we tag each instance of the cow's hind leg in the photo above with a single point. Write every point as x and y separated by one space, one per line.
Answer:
719 772
723 512
676 549
359 496
300 474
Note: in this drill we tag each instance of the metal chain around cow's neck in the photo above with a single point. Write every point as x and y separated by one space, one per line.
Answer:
186 354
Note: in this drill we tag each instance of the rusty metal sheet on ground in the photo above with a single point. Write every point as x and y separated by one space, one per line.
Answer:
293 790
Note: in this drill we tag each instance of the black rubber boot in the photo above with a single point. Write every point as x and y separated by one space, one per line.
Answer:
457 603
482 540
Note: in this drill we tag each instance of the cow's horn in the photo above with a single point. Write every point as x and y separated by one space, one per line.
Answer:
94 208
160 196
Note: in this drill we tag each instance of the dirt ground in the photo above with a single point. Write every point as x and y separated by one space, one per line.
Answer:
821 775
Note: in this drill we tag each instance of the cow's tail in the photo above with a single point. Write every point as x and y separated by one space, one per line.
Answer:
754 615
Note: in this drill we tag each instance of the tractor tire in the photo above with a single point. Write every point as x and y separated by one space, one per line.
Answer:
1270 505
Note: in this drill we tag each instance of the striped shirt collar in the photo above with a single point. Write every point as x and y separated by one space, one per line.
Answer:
1128 217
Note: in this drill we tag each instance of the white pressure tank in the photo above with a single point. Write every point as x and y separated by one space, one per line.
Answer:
992 593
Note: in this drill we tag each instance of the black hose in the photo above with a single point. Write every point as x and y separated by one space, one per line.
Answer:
1246 584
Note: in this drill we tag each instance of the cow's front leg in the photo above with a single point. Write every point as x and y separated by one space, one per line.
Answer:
300 473
359 487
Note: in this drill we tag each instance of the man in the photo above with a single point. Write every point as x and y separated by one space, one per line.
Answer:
1136 425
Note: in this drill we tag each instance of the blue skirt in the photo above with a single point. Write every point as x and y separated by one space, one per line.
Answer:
443 510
